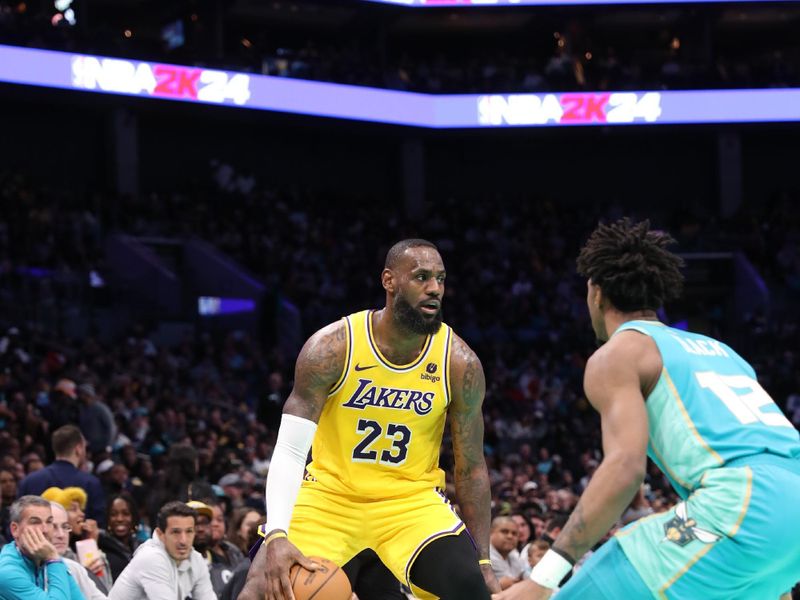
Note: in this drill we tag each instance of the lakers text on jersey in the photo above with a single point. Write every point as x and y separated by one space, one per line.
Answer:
380 431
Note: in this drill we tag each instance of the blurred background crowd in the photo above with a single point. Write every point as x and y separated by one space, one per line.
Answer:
160 418
166 395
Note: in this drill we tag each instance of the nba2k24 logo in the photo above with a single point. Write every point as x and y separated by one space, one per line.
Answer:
369 394
681 529
569 109
159 80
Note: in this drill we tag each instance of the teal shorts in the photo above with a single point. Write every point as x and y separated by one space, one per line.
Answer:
606 575
736 537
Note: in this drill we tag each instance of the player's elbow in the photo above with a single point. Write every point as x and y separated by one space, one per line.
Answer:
468 472
630 467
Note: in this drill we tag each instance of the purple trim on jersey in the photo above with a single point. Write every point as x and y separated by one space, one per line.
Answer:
387 364
446 368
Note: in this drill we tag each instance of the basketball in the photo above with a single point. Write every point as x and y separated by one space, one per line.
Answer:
326 583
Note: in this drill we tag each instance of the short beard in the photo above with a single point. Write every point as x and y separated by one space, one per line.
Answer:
410 319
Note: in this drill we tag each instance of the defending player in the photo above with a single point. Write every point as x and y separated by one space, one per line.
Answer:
695 407
373 391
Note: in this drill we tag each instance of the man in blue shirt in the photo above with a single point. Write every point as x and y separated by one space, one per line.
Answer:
69 447
31 567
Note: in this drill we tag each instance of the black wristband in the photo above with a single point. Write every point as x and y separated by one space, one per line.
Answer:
565 555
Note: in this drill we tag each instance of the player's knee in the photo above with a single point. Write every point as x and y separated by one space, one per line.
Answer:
449 569
467 584
455 584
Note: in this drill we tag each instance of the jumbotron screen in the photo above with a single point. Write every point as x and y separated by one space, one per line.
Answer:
96 74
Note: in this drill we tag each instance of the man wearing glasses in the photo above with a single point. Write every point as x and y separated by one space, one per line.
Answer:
31 566
60 539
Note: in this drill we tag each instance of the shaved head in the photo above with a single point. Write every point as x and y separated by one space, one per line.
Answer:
502 520
396 252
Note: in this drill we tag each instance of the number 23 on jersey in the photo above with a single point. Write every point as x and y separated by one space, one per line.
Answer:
368 449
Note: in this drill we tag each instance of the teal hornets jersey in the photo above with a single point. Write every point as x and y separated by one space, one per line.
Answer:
707 408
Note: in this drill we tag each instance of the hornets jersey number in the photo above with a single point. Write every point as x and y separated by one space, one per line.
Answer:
745 406
707 408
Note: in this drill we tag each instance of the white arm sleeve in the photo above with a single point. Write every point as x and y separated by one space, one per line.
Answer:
286 469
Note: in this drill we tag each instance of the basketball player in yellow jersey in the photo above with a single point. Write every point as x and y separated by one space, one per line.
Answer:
373 392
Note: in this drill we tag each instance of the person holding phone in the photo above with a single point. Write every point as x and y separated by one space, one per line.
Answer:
90 586
73 499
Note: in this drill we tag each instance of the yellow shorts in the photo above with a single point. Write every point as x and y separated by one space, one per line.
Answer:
338 528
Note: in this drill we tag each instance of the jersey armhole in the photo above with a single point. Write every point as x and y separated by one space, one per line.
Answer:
348 355
641 330
446 362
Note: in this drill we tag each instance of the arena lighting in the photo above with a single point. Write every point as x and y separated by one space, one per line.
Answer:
65 13
209 306
478 3
456 111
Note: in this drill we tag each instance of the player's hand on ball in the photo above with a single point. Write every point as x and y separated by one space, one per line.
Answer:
491 579
281 555
524 590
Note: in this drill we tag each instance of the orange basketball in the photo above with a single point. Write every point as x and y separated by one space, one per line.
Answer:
326 583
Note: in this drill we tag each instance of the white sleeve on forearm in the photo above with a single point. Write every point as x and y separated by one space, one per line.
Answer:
286 469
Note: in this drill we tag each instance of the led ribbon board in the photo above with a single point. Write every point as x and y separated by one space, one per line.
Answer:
97 74
476 3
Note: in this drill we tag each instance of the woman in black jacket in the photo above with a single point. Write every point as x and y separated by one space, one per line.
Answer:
119 540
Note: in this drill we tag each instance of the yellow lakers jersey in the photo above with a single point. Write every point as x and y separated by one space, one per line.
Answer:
380 430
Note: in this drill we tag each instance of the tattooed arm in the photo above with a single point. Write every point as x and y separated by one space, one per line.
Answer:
466 425
318 367
615 379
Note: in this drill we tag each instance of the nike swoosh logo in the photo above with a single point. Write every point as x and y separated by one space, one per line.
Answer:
360 368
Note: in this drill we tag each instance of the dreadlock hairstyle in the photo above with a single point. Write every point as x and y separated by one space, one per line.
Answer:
632 265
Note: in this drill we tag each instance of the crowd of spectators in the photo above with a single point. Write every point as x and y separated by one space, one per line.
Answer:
128 442
562 68
569 58
196 421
